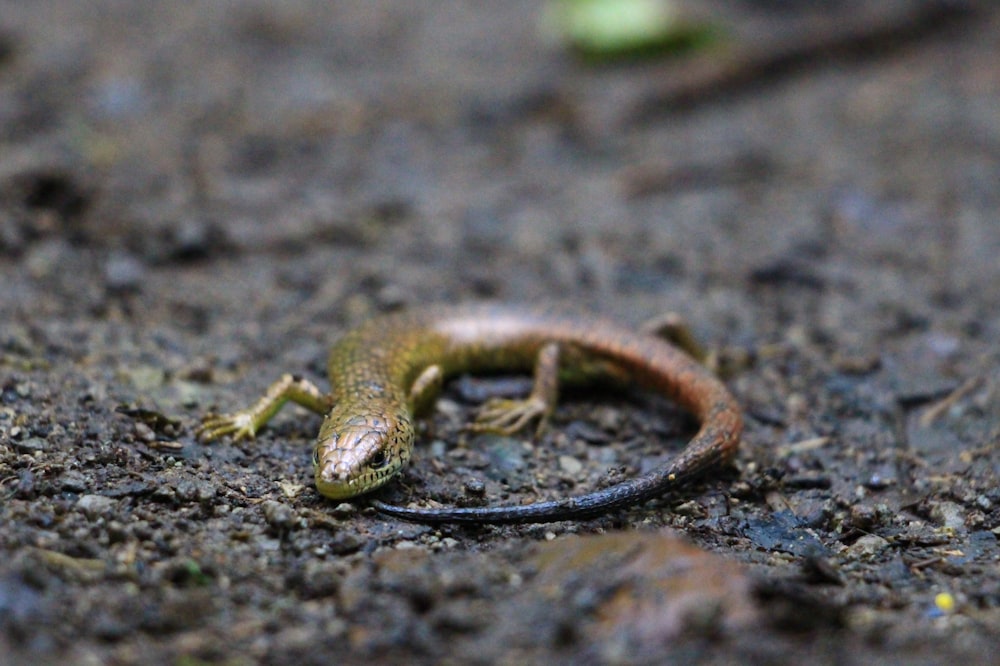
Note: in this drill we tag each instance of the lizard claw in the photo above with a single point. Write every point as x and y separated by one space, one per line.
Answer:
506 417
240 425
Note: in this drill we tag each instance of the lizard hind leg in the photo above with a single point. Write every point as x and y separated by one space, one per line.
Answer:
506 416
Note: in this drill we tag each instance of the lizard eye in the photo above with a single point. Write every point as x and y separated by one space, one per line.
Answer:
378 460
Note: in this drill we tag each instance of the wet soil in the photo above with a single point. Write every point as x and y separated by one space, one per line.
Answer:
196 198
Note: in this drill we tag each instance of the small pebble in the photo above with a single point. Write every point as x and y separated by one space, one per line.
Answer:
123 272
279 516
344 510
94 506
31 445
73 481
144 433
691 509
570 465
868 546
475 487
948 514
863 516
943 345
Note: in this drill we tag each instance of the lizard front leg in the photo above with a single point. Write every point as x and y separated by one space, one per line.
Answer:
245 423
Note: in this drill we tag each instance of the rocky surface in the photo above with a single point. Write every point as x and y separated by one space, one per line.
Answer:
198 197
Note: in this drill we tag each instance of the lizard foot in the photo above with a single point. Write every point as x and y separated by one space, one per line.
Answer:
240 425
506 417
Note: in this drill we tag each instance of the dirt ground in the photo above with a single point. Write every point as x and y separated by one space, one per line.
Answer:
198 197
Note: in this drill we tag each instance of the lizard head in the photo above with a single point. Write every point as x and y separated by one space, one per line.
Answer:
357 453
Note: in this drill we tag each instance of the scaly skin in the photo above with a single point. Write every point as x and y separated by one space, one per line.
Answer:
383 373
